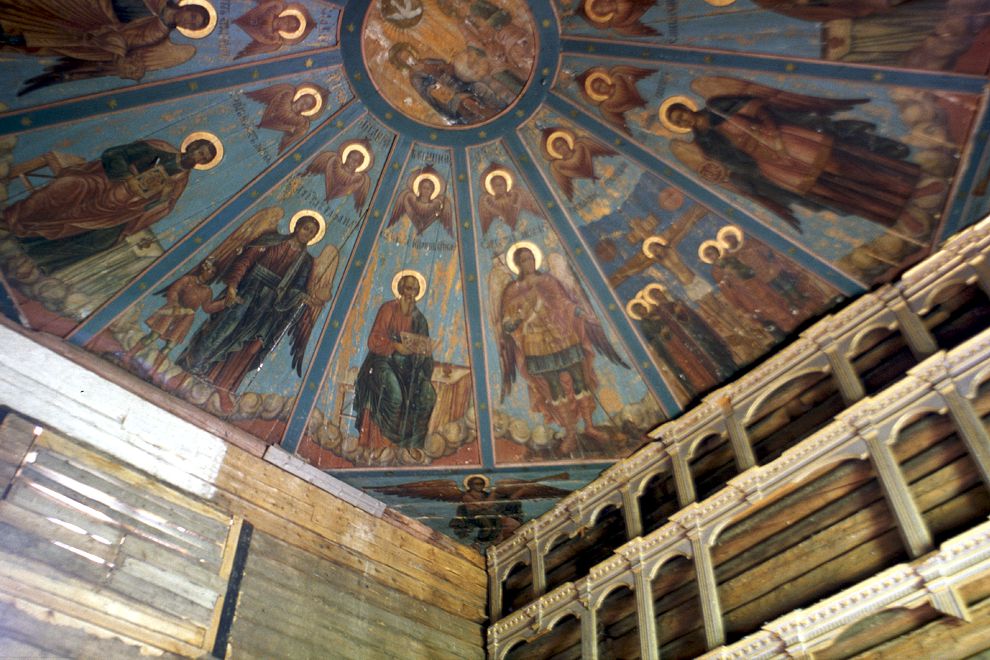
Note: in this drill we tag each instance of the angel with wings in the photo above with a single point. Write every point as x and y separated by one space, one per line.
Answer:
345 171
614 91
289 109
547 331
272 25
503 199
494 510
571 157
424 202
95 39
622 16
274 288
783 150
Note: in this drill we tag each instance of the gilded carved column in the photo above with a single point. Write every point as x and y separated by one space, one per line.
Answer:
494 586
849 383
589 630
970 426
916 335
682 476
648 643
538 567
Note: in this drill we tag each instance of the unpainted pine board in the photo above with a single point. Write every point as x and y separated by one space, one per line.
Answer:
337 520
132 521
204 597
37 583
431 536
132 494
43 528
347 605
314 603
262 640
301 537
22 543
423 612
66 636
82 455
25 495
198 573
16 438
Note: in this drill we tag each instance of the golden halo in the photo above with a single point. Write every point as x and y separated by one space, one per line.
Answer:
211 22
209 137
664 111
431 177
654 286
707 244
309 90
727 230
720 3
494 173
289 36
488 482
319 218
361 149
597 75
635 316
415 273
568 138
594 16
529 245
651 241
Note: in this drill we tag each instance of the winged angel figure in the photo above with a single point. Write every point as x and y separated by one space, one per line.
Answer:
783 149
614 91
289 109
273 24
274 288
571 157
494 510
547 331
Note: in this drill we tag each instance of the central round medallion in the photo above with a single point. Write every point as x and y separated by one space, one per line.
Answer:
449 62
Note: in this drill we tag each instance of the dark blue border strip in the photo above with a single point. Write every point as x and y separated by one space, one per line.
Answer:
233 590
190 243
940 80
715 203
350 283
471 288
128 98
572 242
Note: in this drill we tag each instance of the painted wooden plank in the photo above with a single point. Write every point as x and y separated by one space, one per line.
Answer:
27 496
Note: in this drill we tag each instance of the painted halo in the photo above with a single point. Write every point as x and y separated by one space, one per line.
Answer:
595 16
510 255
309 90
499 172
720 3
636 316
650 242
295 13
654 286
319 219
361 149
414 273
664 112
730 230
589 90
567 136
209 137
707 244
488 482
430 176
211 22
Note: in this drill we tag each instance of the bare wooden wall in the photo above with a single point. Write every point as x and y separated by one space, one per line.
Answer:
99 558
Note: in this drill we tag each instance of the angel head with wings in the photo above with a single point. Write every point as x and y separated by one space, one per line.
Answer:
274 288
614 91
345 171
571 156
492 511
289 109
621 16
425 202
548 332
272 25
503 198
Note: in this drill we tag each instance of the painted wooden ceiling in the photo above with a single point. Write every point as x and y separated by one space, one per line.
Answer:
541 228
